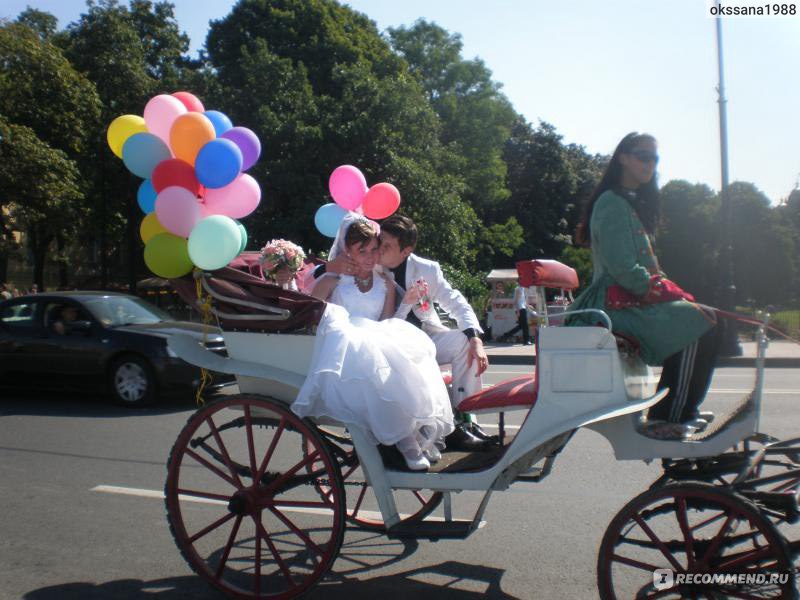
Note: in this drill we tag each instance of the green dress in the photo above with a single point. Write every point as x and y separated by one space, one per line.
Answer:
622 253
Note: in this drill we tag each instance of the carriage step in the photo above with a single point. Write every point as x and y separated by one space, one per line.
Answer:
457 529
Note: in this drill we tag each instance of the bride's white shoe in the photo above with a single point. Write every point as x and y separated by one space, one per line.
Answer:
433 454
417 464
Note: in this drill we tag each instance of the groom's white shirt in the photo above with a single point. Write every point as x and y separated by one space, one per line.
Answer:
439 291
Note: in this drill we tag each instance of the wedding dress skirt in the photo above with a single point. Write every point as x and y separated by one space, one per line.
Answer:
379 375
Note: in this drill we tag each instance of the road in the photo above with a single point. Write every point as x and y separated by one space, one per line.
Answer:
64 539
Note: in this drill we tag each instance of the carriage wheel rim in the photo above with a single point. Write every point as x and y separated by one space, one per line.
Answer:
327 549
740 511
130 382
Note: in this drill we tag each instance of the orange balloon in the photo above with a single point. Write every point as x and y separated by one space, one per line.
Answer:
190 132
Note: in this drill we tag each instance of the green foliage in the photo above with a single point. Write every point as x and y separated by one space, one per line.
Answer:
579 259
472 285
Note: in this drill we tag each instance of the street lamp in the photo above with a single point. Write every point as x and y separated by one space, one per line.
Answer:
730 343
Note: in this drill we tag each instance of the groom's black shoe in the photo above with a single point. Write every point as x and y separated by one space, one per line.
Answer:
462 439
479 433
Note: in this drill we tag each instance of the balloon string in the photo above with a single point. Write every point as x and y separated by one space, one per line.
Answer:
205 312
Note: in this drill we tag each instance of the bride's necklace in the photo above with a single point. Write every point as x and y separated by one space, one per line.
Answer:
363 283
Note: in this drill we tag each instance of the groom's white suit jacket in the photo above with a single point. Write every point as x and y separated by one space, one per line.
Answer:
440 292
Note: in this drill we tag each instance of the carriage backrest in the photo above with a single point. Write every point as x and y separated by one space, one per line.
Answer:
243 300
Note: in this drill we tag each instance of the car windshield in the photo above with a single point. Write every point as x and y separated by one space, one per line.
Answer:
113 311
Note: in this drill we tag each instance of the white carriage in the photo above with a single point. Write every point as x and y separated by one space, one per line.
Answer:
258 498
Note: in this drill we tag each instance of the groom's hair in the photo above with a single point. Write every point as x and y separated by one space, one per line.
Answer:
402 228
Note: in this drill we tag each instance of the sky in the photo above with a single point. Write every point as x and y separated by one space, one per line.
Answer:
597 70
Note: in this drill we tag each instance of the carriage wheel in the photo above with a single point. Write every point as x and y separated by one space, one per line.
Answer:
692 528
362 506
243 508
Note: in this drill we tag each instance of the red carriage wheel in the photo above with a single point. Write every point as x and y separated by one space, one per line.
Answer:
242 505
698 529
362 507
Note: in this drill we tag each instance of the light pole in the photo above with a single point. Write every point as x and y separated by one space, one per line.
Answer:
730 344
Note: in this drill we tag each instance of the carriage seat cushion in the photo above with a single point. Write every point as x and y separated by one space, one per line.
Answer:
513 394
546 273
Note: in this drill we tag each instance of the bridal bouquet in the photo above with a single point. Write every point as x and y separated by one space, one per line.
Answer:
281 254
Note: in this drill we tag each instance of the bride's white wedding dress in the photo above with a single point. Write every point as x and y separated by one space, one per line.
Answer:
379 375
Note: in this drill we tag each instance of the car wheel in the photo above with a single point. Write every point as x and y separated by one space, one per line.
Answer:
132 382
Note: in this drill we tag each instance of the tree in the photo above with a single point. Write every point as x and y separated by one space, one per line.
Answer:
476 117
39 188
687 239
321 88
130 54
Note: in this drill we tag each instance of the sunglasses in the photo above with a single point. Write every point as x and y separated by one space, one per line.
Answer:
645 157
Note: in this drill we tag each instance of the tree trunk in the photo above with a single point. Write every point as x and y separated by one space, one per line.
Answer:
3 265
63 271
131 234
39 243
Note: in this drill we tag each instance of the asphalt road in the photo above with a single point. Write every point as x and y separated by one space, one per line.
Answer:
61 538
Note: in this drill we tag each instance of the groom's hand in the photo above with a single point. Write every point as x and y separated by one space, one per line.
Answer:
341 265
477 353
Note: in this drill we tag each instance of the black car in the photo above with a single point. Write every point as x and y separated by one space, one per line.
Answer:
93 339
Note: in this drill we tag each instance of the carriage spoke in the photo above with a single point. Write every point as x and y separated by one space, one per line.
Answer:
299 533
206 495
299 504
270 450
211 467
262 533
223 450
664 550
419 496
634 563
248 424
361 497
231 538
715 543
745 557
257 565
680 514
285 476
205 531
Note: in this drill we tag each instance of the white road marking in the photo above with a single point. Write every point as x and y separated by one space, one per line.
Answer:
158 495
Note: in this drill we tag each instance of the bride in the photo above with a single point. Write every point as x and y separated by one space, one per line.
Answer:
368 368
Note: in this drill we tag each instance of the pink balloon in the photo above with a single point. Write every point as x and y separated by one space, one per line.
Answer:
236 200
381 200
347 186
177 209
160 113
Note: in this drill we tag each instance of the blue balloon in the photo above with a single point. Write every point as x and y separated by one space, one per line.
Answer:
142 152
146 196
328 218
219 120
218 163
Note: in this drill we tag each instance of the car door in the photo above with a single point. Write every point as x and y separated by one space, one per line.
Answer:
73 352
20 334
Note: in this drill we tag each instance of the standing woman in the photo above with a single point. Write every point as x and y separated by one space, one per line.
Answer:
618 224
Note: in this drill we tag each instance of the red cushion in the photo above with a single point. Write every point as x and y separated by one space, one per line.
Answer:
546 273
520 391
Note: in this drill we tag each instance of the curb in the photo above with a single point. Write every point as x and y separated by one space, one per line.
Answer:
726 361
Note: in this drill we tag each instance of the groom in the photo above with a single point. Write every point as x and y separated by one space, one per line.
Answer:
462 348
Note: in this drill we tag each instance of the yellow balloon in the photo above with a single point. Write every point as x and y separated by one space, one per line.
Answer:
150 227
121 129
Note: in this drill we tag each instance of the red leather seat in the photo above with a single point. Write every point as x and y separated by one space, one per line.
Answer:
513 394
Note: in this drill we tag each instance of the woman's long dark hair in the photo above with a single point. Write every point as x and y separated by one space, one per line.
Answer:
645 201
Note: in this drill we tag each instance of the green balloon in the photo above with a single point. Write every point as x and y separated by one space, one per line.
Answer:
214 242
243 233
167 256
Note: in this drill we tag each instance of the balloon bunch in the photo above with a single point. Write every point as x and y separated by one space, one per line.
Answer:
348 187
192 161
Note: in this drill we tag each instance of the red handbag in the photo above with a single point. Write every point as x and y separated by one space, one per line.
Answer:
660 290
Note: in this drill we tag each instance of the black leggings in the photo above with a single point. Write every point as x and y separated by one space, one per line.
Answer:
522 325
688 374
